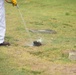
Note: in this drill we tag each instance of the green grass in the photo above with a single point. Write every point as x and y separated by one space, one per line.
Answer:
52 57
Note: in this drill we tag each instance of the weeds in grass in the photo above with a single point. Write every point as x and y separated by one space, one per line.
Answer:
48 59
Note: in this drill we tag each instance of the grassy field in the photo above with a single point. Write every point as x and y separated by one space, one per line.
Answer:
50 58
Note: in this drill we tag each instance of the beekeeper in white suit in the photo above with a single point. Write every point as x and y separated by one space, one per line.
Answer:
3 22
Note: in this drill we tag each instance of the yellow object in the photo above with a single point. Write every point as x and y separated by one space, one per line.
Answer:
14 2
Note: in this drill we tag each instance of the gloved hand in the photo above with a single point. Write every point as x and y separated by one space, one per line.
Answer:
14 2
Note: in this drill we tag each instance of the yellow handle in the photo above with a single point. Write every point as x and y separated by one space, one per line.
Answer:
14 2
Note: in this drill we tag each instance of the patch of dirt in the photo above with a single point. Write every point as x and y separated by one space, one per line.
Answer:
22 59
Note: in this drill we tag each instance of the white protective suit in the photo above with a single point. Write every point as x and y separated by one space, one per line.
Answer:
2 21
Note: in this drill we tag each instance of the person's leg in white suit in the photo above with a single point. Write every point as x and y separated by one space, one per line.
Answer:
2 24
